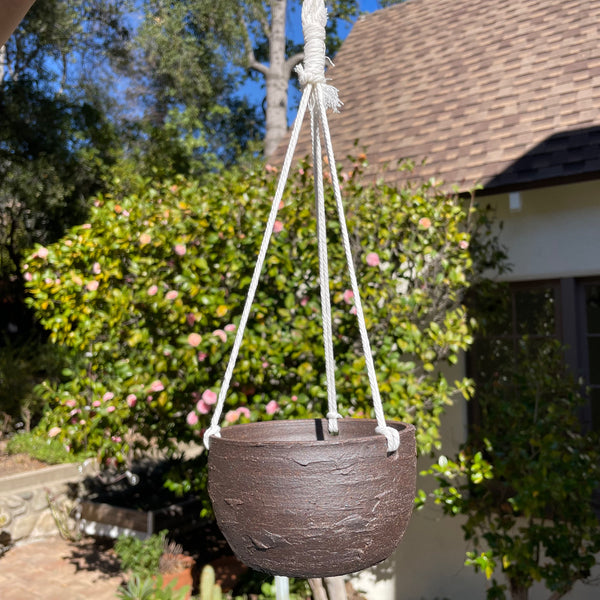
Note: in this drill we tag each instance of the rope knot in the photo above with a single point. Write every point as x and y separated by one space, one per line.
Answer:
212 430
312 72
392 436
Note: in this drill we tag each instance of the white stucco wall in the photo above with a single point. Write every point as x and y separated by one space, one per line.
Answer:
555 234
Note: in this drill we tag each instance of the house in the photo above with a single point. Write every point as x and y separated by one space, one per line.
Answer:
505 95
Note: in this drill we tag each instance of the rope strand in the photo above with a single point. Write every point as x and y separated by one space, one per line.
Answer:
215 428
318 96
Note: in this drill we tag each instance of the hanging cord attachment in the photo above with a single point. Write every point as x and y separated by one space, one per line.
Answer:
317 96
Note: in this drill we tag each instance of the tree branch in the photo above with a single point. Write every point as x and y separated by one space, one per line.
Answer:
292 61
253 64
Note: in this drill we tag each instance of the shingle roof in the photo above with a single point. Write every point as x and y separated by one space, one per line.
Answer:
504 93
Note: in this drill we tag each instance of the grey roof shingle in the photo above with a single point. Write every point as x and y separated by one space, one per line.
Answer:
506 94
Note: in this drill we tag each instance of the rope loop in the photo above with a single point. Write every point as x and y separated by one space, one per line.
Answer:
212 430
392 437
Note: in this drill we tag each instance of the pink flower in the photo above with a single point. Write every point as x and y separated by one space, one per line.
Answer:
171 295
232 416
294 398
180 249
43 253
96 268
209 397
373 259
265 364
348 296
48 281
111 409
116 438
152 290
157 386
71 403
425 222
96 403
145 239
202 356
54 432
272 407
92 286
202 407
270 169
304 301
463 244
86 226
190 319
353 310
220 334
28 276
192 418
131 400
230 327
245 411
194 339
108 396
277 227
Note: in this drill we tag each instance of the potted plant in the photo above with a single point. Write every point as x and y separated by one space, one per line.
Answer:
156 558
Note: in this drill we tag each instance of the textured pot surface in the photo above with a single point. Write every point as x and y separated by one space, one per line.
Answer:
293 500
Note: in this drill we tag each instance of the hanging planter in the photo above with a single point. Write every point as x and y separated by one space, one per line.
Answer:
324 497
292 499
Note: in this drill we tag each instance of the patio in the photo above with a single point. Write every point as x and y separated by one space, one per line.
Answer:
54 569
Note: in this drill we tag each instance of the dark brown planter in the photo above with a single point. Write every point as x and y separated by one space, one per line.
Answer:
293 500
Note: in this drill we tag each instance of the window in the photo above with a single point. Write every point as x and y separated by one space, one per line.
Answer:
566 309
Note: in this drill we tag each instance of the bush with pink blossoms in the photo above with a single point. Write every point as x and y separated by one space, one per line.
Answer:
149 294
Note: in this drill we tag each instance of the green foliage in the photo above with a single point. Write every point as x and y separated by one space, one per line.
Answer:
141 557
50 451
151 289
525 481
23 365
151 588
257 587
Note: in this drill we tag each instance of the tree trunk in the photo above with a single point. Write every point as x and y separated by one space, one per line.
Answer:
277 79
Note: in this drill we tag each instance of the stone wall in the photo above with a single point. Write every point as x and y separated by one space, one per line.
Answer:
25 499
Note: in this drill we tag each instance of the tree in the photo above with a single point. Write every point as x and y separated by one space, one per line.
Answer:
196 52
525 479
54 136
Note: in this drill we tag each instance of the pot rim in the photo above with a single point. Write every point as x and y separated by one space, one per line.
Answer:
403 429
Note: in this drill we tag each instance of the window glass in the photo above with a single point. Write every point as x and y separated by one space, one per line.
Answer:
595 405
592 306
594 359
535 312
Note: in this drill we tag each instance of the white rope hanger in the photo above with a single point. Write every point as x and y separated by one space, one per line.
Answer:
318 96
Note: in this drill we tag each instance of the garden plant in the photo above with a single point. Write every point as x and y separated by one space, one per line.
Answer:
147 295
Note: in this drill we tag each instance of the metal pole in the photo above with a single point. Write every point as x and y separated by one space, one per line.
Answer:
282 588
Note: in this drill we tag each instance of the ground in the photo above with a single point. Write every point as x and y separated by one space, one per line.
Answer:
17 463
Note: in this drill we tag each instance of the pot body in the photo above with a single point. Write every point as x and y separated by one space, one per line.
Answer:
294 500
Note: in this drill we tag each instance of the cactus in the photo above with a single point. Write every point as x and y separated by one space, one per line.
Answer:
217 593
209 590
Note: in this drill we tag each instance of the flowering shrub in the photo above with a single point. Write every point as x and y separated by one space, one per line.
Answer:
148 296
